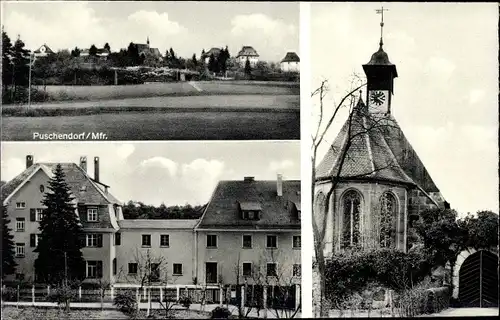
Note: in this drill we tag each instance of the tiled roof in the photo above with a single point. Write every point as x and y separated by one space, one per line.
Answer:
291 57
250 206
247 51
378 151
277 213
158 223
76 179
47 49
214 51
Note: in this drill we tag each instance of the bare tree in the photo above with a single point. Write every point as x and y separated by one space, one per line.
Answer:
359 122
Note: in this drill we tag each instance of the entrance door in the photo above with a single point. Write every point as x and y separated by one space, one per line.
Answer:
478 280
211 272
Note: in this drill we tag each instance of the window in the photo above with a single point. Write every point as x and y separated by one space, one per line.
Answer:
297 270
297 242
154 274
272 242
211 241
93 240
34 240
351 226
42 188
19 224
92 215
177 269
388 217
114 266
20 205
247 241
146 240
19 250
118 239
271 270
249 215
247 269
132 268
164 240
94 269
39 214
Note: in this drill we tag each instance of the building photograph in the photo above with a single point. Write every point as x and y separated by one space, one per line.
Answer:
165 222
402 111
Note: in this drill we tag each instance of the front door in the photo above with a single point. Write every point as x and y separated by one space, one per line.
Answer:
211 272
478 280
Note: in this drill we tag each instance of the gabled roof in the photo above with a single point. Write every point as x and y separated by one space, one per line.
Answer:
247 51
45 50
223 210
76 177
291 57
214 51
379 151
158 223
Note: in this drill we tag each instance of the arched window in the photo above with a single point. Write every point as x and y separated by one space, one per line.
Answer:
351 207
388 217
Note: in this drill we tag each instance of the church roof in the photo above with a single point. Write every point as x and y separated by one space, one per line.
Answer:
377 150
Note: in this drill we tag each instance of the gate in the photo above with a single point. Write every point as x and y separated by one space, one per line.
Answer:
478 280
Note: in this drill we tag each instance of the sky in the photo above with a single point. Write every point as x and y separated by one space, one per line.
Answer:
174 173
188 27
445 98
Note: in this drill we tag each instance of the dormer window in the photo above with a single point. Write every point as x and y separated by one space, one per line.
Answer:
92 214
250 210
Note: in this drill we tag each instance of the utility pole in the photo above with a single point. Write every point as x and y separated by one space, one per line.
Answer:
29 85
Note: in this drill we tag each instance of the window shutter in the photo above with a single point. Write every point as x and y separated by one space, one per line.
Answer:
99 240
32 214
99 269
32 240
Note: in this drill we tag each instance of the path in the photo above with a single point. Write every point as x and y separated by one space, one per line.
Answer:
465 312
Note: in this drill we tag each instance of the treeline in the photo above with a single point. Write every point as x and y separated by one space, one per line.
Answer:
15 69
139 210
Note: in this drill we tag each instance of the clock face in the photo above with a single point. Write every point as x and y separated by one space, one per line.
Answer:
378 100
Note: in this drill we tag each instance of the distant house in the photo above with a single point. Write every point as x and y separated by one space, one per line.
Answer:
247 53
290 63
101 53
206 56
43 51
146 51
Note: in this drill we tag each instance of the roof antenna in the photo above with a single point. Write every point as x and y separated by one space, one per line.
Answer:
381 12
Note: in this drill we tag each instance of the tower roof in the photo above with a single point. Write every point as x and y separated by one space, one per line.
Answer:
377 150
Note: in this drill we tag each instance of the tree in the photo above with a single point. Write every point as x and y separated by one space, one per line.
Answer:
480 231
8 262
194 60
75 52
212 63
61 239
20 59
107 47
7 63
248 68
93 50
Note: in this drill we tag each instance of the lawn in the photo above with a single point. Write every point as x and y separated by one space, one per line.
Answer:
30 313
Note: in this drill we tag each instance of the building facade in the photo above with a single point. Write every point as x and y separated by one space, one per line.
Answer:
247 53
290 63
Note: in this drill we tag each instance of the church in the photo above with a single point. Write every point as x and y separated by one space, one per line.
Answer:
372 178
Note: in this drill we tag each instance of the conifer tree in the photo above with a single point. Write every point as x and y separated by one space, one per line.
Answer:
8 262
59 245
248 68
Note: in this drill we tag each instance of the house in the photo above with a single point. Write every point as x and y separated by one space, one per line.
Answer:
290 63
102 53
96 207
247 53
206 55
43 51
250 234
384 185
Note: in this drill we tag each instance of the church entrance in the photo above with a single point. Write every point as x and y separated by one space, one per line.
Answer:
478 276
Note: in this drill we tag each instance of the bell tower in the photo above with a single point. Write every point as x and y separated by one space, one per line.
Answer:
380 74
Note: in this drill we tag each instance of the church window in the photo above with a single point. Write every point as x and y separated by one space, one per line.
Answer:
388 214
351 227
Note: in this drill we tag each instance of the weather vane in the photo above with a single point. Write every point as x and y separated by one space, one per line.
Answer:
381 12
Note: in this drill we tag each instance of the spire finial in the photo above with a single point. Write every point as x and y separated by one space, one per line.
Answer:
381 12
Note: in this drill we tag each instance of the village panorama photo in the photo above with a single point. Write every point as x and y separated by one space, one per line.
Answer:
138 70
405 155
156 230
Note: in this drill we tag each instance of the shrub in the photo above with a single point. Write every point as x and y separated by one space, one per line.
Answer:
185 301
126 302
9 294
220 313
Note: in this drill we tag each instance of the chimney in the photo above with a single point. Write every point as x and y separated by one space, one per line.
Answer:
29 161
279 185
83 163
96 169
249 179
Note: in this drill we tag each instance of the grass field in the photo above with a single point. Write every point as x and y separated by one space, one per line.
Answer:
202 88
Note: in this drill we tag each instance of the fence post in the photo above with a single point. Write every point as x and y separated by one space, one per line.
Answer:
18 294
220 294
178 292
144 292
264 304
48 290
112 291
33 294
137 297
80 292
161 294
243 299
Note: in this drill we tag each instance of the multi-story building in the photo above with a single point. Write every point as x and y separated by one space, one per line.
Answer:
290 63
248 234
247 53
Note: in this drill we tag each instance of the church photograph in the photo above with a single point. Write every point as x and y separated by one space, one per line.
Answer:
404 148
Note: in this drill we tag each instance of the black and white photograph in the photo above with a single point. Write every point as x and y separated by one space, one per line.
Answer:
162 230
139 70
405 159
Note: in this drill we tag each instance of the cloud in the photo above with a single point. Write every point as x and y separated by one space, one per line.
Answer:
476 95
280 166
200 176
12 167
156 21
161 162
125 150
440 68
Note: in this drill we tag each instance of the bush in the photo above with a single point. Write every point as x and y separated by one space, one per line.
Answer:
9 294
126 302
62 294
185 302
220 313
